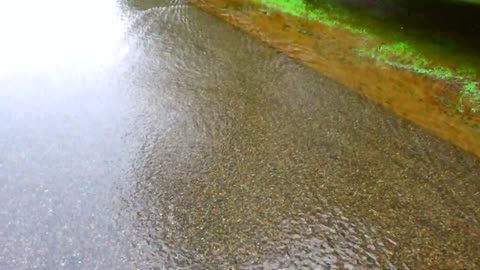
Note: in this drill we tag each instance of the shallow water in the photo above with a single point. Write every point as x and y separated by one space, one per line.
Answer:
151 135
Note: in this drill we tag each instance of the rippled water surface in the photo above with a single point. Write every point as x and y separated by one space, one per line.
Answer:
151 135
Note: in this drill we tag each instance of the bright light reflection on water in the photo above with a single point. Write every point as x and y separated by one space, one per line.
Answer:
59 36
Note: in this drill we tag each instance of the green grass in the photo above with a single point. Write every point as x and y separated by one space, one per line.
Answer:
470 91
404 56
299 8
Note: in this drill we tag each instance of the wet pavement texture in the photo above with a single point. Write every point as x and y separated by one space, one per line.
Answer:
151 135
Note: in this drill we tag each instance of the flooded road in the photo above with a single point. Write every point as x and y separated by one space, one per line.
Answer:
151 135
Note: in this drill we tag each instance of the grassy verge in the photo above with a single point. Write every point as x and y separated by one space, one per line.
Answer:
402 50
403 55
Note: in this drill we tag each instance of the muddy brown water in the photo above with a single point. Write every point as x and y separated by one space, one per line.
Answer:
151 135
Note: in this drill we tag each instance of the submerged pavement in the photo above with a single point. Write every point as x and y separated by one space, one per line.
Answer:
151 135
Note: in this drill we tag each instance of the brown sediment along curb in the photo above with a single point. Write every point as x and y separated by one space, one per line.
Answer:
329 50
